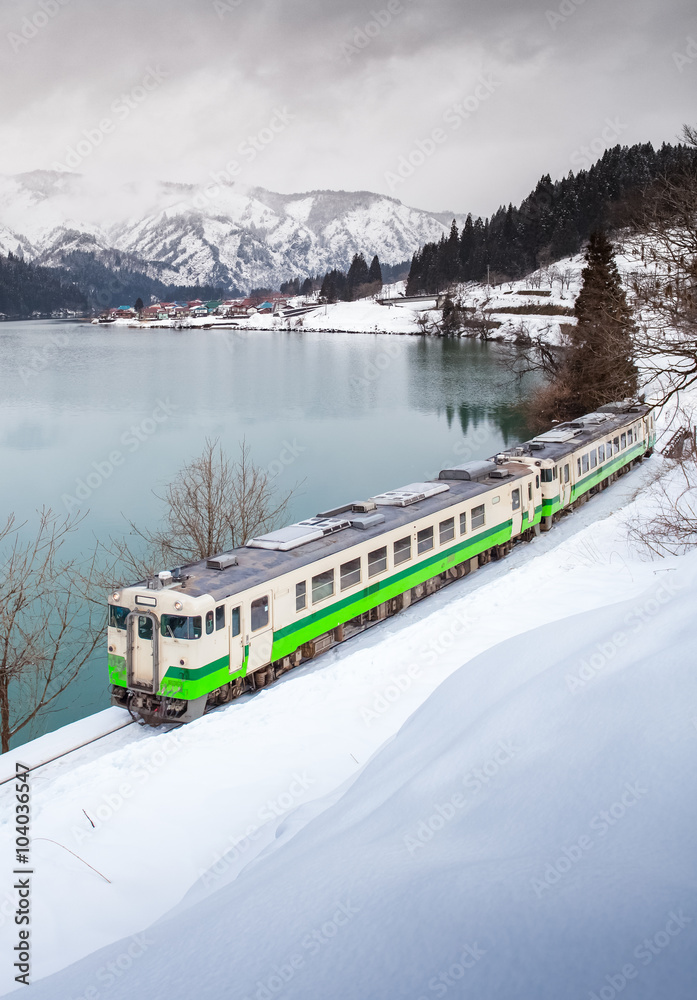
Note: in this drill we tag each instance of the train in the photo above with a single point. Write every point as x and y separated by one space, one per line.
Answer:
199 636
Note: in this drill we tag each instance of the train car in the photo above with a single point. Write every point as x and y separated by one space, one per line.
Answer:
201 635
584 456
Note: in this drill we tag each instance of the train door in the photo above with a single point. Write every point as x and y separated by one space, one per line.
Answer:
564 484
236 643
530 499
142 651
260 633
516 511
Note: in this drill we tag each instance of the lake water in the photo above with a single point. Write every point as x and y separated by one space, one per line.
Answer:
344 415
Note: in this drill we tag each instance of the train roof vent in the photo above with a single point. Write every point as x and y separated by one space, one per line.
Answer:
409 494
286 539
500 473
589 420
223 561
558 435
327 525
614 408
365 521
470 471
298 534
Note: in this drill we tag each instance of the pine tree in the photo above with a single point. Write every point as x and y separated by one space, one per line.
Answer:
357 275
600 366
375 272
451 254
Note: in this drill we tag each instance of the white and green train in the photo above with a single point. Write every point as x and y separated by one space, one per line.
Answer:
201 635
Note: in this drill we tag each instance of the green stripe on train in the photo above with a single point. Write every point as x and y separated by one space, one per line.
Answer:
288 639
550 505
187 684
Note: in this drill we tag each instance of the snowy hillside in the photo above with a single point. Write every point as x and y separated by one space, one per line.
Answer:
218 234
492 795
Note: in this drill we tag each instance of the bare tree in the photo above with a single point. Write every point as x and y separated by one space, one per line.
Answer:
670 525
664 234
213 504
48 626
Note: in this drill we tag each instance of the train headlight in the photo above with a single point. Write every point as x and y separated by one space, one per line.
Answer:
116 596
178 605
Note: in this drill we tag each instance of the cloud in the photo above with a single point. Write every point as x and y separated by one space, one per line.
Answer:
363 82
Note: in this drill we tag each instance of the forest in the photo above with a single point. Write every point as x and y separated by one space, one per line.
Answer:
554 221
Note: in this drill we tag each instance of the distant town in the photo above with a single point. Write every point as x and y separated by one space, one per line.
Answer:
273 302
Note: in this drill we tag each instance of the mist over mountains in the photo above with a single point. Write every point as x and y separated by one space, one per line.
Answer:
217 236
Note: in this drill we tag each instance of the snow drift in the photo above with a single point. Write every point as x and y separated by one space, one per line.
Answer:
528 832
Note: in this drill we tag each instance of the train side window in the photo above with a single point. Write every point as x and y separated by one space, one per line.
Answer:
260 613
546 475
529 491
402 550
220 617
118 616
180 627
629 436
537 482
624 442
515 499
235 623
584 462
145 628
447 530
463 523
350 574
209 622
594 458
601 453
478 516
322 586
608 450
616 444
578 466
377 561
300 596
554 471
424 540
566 473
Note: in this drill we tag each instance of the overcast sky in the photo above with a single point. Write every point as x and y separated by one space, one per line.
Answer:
303 94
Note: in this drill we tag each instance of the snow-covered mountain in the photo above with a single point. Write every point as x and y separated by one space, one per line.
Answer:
217 234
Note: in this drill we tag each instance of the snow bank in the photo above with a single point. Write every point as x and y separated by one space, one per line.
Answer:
528 832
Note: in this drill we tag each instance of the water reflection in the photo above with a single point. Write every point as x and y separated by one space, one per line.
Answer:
359 413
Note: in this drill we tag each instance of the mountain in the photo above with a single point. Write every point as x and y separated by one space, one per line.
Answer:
219 235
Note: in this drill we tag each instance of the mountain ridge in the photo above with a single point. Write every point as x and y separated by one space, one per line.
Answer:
218 234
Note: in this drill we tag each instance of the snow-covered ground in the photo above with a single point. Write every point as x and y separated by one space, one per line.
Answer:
492 795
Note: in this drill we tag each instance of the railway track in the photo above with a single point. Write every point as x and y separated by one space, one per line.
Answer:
74 749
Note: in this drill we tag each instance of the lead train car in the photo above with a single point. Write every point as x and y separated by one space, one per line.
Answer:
204 634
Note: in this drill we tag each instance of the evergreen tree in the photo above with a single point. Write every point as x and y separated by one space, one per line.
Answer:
451 255
375 272
357 275
139 305
600 366
307 288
